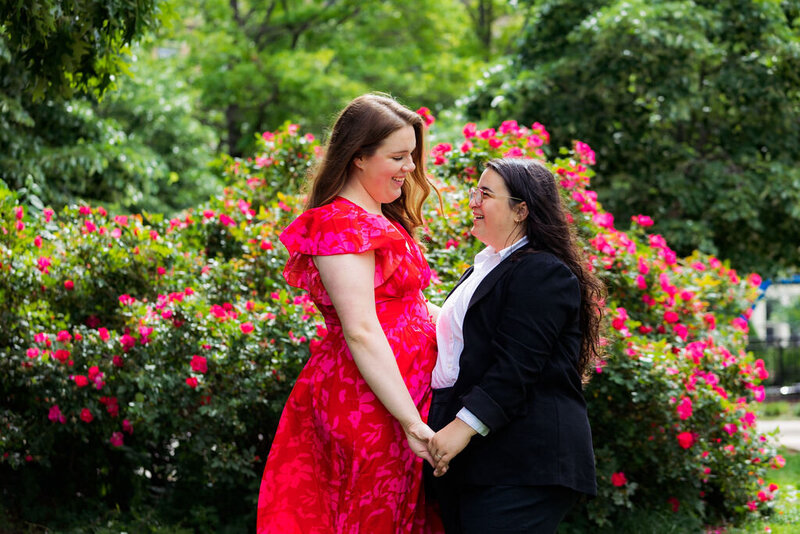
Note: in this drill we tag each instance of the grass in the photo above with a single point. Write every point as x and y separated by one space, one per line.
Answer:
779 410
786 513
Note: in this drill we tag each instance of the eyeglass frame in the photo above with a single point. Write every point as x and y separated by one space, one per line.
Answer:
479 191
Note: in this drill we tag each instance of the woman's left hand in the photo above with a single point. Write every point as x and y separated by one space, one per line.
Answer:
418 435
448 442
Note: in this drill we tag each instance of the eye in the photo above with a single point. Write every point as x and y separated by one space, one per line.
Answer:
397 158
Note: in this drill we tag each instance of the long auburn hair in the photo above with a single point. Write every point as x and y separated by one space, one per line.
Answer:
548 230
358 131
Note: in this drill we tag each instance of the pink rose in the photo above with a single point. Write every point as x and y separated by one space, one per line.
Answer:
116 439
684 408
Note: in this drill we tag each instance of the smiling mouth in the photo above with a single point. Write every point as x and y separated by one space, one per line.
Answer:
477 217
399 180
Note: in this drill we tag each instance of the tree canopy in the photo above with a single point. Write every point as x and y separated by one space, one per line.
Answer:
259 65
693 108
82 118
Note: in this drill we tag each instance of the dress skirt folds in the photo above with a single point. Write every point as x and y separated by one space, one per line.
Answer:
340 462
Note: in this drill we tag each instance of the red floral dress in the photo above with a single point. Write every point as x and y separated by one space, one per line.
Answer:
340 462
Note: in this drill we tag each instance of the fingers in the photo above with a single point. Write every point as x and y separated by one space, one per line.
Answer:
441 458
426 455
440 468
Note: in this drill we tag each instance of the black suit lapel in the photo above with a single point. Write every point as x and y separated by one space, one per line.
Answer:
488 283
460 280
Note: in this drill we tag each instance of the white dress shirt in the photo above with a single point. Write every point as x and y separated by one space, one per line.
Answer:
450 326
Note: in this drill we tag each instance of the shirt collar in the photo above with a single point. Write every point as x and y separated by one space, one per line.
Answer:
490 252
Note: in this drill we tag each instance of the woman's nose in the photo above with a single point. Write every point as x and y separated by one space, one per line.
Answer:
409 166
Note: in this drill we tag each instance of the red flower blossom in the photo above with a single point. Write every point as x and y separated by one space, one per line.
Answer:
63 336
675 503
740 323
731 428
43 264
55 415
117 439
585 153
684 408
81 381
191 382
86 415
127 426
618 479
103 333
686 439
127 341
671 317
199 364
426 115
681 331
604 220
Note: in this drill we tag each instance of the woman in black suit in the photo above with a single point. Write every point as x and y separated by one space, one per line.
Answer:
516 336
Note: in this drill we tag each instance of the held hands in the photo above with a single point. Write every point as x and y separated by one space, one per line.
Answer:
447 443
418 435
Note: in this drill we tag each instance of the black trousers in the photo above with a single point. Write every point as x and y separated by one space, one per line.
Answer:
474 509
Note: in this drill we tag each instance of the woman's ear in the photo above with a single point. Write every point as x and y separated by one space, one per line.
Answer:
522 211
358 161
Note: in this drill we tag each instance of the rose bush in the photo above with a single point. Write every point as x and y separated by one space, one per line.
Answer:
148 358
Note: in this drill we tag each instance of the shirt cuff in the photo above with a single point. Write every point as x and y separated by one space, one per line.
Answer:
476 424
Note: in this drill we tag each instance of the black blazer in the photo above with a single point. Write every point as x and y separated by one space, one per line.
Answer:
518 375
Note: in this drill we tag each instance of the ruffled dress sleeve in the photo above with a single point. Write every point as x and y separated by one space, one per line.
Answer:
340 227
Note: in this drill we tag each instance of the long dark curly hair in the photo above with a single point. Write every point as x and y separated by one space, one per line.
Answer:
548 230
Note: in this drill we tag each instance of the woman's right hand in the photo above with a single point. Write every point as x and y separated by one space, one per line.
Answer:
418 434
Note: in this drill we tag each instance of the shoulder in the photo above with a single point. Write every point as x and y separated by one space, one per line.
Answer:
543 270
546 262
340 227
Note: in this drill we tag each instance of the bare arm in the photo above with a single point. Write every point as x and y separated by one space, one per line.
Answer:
433 310
348 279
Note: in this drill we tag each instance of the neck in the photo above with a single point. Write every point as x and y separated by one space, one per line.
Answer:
515 236
359 196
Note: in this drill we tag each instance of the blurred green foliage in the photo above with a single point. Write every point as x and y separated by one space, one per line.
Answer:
693 108
258 65
81 117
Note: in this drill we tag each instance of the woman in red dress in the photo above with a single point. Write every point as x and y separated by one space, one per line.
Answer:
347 456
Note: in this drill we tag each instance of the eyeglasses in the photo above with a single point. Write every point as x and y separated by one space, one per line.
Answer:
476 195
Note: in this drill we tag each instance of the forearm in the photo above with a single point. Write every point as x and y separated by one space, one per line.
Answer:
376 362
